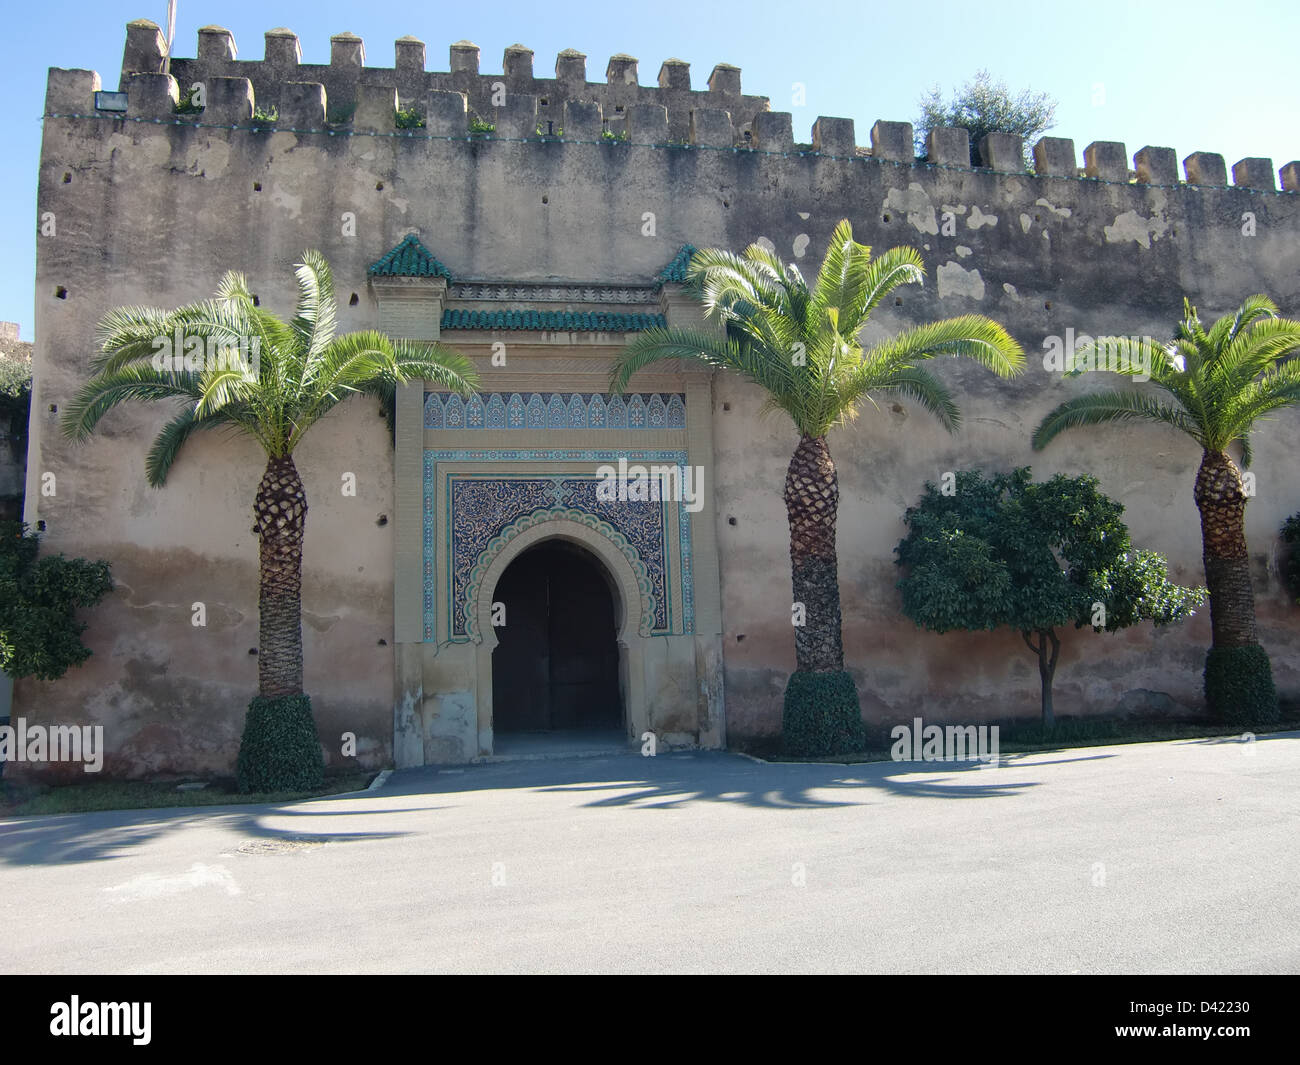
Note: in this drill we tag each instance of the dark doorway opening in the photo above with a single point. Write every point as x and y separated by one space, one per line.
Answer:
555 665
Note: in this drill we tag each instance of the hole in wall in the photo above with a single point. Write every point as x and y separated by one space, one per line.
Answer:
740 636
546 199
353 301
731 520
40 526
726 406
898 301
60 293
257 186
252 650
67 178
256 301
382 642
379 186
383 519
1047 306
546 102
726 203
885 218
618 109
54 408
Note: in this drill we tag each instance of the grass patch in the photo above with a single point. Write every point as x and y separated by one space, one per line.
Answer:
27 800
1023 737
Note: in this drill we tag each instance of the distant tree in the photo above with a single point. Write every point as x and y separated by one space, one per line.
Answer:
983 106
39 597
15 400
15 405
1291 566
1005 551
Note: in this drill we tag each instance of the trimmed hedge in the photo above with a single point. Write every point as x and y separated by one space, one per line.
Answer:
280 750
822 715
1239 686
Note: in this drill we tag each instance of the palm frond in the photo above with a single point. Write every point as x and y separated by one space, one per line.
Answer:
171 439
971 336
1229 327
926 390
434 362
137 382
897 266
692 345
1101 408
315 321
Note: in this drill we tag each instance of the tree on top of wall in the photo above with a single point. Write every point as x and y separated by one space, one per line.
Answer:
802 345
243 370
1214 385
984 106
1005 551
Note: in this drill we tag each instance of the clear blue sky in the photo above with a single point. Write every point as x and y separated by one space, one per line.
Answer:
1194 75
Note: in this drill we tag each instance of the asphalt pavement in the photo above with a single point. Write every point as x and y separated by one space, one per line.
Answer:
1176 857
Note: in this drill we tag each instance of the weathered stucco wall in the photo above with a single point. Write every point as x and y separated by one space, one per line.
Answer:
155 212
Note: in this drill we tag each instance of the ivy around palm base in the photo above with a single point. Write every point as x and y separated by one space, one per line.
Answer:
822 715
280 750
1239 686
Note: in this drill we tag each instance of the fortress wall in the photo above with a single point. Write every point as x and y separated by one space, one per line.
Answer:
156 207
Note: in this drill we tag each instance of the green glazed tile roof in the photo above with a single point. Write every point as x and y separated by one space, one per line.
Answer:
574 321
409 259
675 271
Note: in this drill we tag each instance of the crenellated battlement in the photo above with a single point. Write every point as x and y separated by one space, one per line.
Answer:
348 96
348 81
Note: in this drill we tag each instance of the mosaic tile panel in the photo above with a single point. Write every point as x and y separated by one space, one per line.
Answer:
473 508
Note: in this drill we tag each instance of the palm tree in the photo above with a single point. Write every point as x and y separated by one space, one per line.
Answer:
1214 386
801 345
259 376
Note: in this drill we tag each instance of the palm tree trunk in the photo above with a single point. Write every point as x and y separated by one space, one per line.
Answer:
812 497
281 515
1222 502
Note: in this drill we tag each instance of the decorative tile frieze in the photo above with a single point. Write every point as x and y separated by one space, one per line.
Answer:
536 411
525 292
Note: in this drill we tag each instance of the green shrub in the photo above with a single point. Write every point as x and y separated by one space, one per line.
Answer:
280 750
1239 686
822 715
340 116
188 104
409 118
